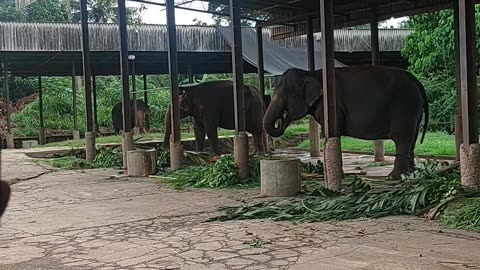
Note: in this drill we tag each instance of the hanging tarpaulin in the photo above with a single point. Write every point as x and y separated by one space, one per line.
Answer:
19 4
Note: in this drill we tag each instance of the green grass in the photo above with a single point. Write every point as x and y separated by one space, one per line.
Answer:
118 139
464 214
435 143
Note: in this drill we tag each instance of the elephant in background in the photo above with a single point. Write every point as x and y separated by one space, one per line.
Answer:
211 106
371 103
117 115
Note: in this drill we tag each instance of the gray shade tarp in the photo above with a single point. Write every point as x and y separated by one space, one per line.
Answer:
277 59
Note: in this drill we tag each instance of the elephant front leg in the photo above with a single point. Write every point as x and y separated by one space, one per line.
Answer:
199 131
213 140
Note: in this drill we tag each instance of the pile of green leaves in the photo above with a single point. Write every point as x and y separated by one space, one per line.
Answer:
411 196
69 163
312 168
222 173
108 158
463 214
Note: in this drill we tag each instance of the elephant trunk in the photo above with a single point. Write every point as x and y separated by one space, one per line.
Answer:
168 128
274 122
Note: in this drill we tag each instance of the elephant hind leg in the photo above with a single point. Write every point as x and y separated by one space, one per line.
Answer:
404 146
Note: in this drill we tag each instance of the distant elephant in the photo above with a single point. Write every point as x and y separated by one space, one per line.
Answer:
210 104
4 196
371 103
117 115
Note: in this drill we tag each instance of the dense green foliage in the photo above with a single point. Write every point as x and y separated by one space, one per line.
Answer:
430 50
58 110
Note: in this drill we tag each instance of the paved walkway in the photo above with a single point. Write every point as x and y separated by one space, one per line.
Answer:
89 220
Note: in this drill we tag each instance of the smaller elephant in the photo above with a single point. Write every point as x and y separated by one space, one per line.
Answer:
117 116
211 106
4 196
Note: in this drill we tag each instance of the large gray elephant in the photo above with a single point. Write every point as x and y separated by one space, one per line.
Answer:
372 103
210 104
4 196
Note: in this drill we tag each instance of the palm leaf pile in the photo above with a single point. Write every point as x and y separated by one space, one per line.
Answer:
416 194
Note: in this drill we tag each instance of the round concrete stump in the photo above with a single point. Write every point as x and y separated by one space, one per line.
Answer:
29 144
90 150
141 162
280 177
127 145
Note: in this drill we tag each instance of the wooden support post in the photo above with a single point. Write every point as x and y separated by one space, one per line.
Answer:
241 140
190 74
89 134
378 146
332 153
9 136
76 132
458 114
470 149
314 134
95 108
127 128
145 99
42 136
176 149
136 130
261 79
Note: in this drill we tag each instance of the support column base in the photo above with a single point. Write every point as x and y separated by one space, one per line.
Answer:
127 145
76 135
240 152
176 154
378 151
333 164
470 166
10 141
42 136
314 137
136 131
90 150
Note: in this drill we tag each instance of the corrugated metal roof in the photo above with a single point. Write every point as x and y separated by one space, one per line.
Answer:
104 37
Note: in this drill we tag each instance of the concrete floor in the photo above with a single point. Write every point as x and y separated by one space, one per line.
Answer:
89 220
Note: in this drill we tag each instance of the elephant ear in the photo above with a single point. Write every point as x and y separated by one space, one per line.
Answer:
312 89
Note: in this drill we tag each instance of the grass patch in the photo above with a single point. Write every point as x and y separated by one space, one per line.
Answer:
463 214
118 139
435 143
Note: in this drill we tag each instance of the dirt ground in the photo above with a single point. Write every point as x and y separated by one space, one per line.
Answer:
89 220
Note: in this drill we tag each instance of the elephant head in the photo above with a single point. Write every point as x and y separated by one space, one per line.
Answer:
186 109
293 98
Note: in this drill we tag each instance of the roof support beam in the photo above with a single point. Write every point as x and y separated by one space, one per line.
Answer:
312 125
333 155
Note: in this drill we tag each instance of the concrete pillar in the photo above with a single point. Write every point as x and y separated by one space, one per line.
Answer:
10 141
333 164
378 151
176 154
90 150
141 162
470 166
240 142
42 136
76 135
127 145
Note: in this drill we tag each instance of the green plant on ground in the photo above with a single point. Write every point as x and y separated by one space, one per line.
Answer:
108 158
69 163
463 214
312 168
364 199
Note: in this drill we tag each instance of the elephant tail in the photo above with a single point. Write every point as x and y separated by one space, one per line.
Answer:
421 88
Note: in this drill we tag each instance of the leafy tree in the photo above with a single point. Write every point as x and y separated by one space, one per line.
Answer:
105 11
199 22
221 20
40 11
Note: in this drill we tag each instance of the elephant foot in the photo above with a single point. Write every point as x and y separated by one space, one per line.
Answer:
395 175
